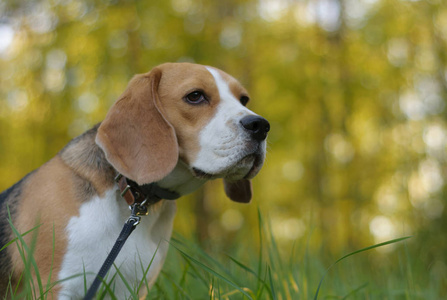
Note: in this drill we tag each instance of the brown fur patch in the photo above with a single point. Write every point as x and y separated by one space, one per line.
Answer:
235 87
177 81
44 202
52 195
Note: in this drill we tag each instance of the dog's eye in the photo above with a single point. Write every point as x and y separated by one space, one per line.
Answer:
195 97
244 100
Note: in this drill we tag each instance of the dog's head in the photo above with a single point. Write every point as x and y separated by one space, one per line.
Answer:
189 112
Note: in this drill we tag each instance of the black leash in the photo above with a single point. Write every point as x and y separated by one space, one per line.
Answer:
132 193
129 226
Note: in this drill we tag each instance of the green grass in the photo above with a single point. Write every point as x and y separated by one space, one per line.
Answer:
261 272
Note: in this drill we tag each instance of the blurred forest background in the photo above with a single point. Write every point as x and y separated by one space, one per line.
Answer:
355 92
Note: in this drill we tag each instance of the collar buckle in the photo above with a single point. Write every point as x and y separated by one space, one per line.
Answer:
139 209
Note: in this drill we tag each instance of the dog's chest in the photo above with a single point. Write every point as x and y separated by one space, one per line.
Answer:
92 234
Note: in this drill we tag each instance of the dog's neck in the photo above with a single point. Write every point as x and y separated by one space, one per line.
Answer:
88 161
181 180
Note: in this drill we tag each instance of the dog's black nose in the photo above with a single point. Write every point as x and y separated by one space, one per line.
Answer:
257 126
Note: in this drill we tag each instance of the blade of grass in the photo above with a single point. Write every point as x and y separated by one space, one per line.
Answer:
261 244
9 289
30 257
15 239
259 294
184 274
52 261
108 289
84 278
211 290
409 273
218 291
355 252
129 288
53 284
244 267
147 269
19 280
276 262
212 272
353 292
208 258
195 272
273 293
162 291
180 289
144 276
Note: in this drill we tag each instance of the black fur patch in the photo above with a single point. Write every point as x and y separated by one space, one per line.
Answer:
82 153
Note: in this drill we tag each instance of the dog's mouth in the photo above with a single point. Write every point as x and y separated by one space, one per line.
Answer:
252 162
256 167
202 174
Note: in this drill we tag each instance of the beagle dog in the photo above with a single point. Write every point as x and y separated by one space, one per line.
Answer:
176 126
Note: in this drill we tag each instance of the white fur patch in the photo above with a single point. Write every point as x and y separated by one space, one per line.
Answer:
92 234
223 141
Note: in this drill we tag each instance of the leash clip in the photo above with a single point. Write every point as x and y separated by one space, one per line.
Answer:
136 220
134 215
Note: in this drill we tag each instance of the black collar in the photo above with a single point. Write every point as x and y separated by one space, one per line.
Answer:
146 194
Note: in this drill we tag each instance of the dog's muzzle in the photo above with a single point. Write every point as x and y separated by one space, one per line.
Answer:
250 158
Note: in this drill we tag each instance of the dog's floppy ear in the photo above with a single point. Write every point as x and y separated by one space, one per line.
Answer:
137 139
238 190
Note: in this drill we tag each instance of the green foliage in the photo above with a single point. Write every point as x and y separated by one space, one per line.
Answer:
192 273
353 253
199 274
355 95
